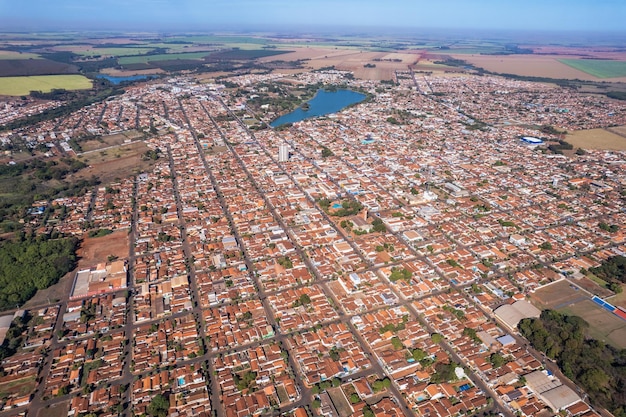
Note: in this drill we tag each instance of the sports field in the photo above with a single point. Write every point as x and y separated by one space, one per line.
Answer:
603 325
144 59
19 86
600 68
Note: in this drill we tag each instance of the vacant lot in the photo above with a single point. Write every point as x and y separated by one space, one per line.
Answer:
20 86
597 139
20 387
144 59
557 296
603 325
110 140
55 410
115 163
95 250
600 68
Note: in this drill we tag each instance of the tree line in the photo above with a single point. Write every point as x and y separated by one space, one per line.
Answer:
600 369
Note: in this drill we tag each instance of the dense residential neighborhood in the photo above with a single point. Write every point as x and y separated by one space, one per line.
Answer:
377 265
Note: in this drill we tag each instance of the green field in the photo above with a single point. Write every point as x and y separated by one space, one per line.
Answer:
220 39
598 67
17 55
603 325
144 59
20 86
115 51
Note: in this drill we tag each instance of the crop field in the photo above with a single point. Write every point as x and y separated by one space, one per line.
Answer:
597 139
603 325
116 51
242 54
17 55
28 67
599 68
527 65
19 86
221 39
144 59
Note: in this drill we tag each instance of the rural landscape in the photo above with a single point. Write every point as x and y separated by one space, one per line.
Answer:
312 223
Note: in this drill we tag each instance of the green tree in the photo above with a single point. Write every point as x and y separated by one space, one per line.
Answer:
159 406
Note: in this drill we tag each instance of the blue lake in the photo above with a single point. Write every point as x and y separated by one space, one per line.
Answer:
118 80
324 102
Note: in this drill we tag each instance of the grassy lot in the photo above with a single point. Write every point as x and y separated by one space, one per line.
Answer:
18 386
598 280
19 86
598 67
144 59
17 55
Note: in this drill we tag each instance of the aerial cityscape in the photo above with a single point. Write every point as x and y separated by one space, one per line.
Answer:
234 210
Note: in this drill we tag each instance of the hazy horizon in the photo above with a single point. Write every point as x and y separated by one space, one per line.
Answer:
576 16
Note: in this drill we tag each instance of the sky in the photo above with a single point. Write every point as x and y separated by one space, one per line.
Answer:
287 15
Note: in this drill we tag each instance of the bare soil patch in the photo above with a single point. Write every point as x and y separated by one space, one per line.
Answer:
95 250
601 139
55 410
556 295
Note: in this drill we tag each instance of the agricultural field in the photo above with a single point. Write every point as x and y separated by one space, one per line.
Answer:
145 59
116 51
597 67
28 67
89 50
17 55
601 139
19 86
243 54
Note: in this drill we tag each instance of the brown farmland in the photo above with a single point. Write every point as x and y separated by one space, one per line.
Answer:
530 65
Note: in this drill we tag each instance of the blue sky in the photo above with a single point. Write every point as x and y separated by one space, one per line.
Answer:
578 15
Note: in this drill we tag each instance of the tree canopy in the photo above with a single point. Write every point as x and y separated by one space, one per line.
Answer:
31 264
599 368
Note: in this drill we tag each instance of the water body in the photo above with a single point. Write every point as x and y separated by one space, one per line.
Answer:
118 80
324 102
